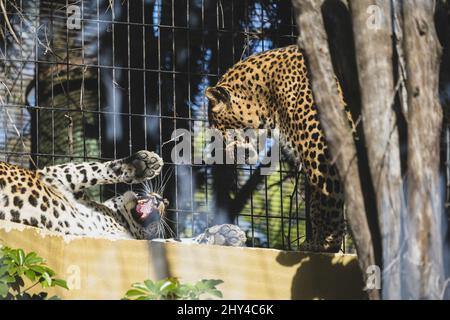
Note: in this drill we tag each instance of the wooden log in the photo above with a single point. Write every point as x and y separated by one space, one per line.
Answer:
313 40
425 250
373 46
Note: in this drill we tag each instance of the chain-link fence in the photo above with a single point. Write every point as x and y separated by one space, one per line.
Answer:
84 80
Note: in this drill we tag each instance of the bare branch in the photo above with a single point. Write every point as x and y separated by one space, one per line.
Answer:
8 24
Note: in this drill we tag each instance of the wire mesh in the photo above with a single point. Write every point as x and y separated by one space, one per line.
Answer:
101 80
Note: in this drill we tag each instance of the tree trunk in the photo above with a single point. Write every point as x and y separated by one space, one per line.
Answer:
374 51
424 272
313 40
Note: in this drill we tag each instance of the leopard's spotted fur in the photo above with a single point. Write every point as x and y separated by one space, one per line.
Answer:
272 90
53 198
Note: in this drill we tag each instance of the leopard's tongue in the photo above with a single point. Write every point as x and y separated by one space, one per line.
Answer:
140 209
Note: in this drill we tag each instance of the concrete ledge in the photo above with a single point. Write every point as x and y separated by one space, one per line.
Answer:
105 269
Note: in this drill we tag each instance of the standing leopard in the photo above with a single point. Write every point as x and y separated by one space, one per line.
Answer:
271 90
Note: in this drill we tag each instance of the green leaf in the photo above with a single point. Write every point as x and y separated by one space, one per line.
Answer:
7 262
31 255
133 293
4 289
168 286
39 269
21 256
14 256
216 293
211 283
32 259
171 288
46 279
30 274
7 279
150 285
12 271
20 270
140 286
59 283
3 270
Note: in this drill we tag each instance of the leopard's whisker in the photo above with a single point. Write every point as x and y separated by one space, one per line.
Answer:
165 180
172 234
161 232
170 220
141 190
148 185
158 181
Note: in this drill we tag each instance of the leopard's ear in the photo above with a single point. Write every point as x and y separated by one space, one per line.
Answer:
218 97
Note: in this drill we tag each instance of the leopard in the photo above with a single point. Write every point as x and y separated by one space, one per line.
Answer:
272 90
55 199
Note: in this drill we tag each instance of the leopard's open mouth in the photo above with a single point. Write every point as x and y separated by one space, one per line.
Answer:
149 209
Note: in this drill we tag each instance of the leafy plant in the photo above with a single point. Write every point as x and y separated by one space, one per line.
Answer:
20 272
172 289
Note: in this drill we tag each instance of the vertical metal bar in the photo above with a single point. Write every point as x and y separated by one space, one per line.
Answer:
115 113
267 204
144 74
174 101
297 218
160 81
84 69
307 209
447 166
281 200
4 103
128 92
21 102
99 97
36 70
191 123
203 68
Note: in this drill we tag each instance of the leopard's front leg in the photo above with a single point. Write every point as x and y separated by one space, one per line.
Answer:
141 166
327 204
327 222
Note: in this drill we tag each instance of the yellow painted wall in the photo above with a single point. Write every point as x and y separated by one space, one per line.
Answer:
105 269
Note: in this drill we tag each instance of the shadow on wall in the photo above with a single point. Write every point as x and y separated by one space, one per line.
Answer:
323 276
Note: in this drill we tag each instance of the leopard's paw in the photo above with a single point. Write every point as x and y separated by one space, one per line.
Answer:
223 235
141 166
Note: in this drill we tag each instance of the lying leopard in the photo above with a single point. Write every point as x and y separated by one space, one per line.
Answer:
272 90
54 198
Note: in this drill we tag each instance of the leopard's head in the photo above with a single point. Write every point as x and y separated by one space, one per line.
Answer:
230 110
146 212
